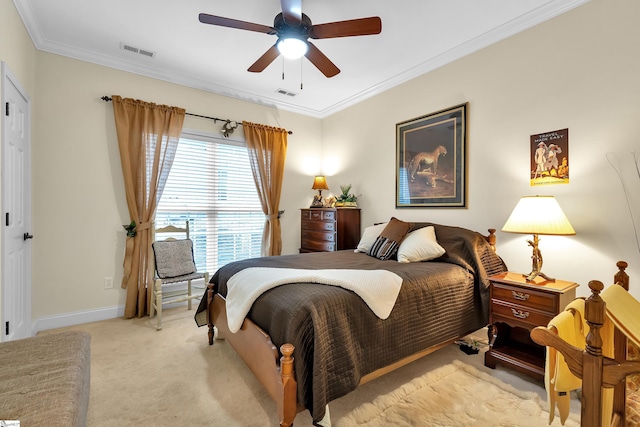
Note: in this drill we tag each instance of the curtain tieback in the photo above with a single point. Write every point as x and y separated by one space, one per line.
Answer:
128 255
273 217
143 226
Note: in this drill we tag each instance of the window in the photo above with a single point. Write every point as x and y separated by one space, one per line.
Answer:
211 185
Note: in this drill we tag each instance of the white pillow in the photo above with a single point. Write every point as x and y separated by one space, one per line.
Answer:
369 237
420 245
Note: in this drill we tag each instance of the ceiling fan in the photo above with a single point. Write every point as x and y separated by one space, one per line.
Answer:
293 29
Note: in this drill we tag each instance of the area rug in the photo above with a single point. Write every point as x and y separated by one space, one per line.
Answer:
454 395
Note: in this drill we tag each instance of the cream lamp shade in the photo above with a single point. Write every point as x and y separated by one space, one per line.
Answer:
538 215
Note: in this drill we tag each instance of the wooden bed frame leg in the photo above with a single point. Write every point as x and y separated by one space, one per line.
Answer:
289 386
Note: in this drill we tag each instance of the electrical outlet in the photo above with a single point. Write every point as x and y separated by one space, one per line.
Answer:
108 282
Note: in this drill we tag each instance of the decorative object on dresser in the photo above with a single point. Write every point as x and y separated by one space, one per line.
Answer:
538 215
517 306
346 199
329 229
319 183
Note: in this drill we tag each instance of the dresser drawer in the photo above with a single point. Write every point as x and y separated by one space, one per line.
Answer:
318 226
526 297
321 246
328 236
318 215
518 314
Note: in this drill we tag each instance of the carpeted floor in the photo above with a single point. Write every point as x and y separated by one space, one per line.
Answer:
142 377
456 395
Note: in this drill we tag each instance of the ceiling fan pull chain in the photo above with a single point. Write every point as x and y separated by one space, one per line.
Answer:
283 68
300 73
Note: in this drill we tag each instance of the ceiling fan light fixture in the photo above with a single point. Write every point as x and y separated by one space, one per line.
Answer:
292 47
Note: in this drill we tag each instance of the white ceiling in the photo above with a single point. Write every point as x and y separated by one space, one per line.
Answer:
417 36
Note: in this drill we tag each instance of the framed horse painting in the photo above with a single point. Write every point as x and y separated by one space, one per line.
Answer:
431 160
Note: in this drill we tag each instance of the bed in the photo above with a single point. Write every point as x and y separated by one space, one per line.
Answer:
330 340
596 371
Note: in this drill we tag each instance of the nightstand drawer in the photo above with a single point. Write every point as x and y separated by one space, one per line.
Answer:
318 226
328 236
526 297
518 313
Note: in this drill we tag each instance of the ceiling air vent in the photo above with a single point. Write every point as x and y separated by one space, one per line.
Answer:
139 51
286 92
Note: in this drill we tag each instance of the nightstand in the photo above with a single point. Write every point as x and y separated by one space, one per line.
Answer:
516 307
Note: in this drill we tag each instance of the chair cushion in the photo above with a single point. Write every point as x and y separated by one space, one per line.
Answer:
174 258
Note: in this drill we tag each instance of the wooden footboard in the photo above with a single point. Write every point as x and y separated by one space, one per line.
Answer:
255 348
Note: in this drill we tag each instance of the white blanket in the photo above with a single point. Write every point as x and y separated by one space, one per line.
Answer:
378 288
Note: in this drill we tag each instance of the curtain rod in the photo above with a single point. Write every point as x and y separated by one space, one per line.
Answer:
215 119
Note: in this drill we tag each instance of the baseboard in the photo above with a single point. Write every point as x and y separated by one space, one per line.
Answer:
76 318
80 317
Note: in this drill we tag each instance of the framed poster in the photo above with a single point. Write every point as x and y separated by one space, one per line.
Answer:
550 158
431 160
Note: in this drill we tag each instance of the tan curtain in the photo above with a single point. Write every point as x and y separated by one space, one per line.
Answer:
267 148
148 136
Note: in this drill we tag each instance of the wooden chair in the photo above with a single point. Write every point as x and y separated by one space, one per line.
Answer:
175 269
589 364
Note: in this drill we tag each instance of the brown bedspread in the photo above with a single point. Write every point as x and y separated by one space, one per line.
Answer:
338 339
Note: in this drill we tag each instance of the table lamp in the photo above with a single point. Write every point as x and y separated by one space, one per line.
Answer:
538 215
319 183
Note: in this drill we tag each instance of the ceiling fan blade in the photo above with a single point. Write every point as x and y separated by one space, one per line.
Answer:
234 23
292 12
352 27
263 62
321 62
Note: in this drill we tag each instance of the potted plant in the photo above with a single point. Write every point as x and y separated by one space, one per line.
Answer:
346 199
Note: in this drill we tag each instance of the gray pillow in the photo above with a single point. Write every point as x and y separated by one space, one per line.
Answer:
174 258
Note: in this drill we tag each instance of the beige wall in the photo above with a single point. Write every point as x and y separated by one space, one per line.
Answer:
578 71
16 48
79 201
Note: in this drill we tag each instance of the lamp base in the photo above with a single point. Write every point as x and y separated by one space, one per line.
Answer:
317 202
536 258
531 276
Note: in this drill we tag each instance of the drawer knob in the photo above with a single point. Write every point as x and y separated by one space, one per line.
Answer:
520 314
520 295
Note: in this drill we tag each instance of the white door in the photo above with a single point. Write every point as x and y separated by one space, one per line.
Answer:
15 311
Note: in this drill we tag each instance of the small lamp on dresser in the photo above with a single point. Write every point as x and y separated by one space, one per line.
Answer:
319 183
538 215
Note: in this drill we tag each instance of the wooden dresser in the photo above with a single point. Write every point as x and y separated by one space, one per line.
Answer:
517 306
329 229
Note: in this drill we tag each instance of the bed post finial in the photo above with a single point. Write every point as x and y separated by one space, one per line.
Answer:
621 277
491 238
594 311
